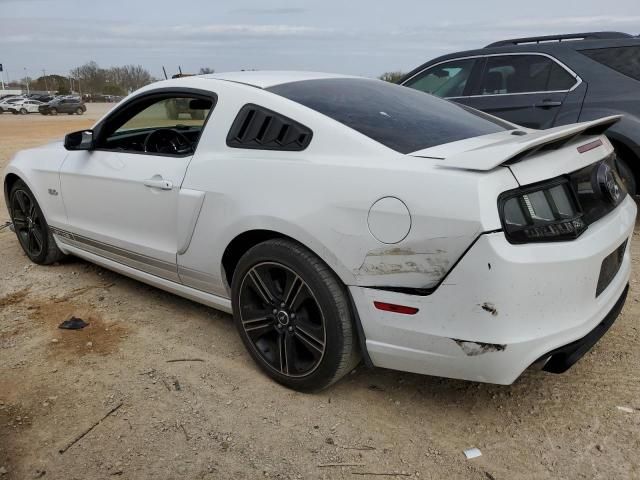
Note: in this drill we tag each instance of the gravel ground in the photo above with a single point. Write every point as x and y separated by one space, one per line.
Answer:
219 417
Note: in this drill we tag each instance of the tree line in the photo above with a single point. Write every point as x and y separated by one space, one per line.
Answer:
92 79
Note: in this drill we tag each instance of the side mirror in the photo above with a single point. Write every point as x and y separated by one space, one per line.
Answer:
82 140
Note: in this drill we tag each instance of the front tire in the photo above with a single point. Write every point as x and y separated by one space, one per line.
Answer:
23 111
53 111
79 111
293 316
32 230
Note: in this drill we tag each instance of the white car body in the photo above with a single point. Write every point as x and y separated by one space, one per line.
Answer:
421 230
27 105
7 103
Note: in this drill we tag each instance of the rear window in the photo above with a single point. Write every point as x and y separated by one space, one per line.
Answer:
401 118
625 60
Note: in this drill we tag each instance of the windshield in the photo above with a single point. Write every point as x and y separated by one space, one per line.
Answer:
401 118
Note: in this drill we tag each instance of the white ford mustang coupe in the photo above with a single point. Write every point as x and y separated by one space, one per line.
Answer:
342 218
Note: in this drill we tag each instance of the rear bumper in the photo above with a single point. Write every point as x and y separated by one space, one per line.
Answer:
504 306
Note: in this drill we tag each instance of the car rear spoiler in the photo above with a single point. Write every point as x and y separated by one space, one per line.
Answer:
517 147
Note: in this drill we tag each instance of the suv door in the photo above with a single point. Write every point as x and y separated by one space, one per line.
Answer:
122 197
532 90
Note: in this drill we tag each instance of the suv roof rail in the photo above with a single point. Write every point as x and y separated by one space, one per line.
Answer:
560 38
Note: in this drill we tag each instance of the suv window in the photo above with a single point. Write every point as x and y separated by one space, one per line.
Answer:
505 74
400 118
625 60
447 79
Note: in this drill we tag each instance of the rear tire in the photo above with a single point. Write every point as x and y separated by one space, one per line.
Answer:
23 111
293 316
32 230
53 111
79 111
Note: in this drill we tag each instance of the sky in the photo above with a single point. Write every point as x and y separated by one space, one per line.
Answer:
362 37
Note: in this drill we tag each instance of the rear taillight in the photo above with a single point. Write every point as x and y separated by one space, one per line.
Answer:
543 213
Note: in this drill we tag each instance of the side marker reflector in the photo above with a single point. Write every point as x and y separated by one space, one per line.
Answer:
390 307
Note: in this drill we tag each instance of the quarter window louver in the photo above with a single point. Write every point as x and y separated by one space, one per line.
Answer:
259 128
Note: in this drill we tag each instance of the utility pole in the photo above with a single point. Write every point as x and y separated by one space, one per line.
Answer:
1 80
26 79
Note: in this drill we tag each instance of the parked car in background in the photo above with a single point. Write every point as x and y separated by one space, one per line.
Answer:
25 106
68 105
7 102
341 217
42 98
543 82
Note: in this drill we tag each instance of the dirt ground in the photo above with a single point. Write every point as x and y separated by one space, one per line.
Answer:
220 418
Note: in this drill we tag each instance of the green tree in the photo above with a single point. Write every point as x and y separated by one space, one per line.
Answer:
391 77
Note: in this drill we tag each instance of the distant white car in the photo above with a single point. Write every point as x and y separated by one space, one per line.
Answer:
342 217
7 103
25 106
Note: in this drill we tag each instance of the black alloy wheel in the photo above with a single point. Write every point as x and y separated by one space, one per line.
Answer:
31 228
282 319
293 314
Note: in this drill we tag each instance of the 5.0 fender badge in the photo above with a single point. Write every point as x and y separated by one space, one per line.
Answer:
53 191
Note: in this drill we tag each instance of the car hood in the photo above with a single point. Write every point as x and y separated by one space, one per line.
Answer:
489 151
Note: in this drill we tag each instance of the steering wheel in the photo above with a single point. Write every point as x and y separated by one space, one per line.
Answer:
167 140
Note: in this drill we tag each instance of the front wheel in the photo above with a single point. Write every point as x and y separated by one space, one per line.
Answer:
79 111
293 316
23 111
32 230
53 111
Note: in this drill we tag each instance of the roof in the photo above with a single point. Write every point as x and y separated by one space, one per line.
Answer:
266 79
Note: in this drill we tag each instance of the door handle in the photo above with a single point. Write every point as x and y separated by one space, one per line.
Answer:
548 104
158 183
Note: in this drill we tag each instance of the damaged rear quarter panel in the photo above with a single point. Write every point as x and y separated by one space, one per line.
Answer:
413 264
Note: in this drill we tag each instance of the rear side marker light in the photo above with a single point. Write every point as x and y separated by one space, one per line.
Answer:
589 146
390 307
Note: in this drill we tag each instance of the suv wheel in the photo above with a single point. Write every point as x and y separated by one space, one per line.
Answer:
32 230
23 111
79 111
53 111
626 175
293 316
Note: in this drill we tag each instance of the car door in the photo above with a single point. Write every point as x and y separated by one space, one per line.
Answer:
32 106
526 89
121 197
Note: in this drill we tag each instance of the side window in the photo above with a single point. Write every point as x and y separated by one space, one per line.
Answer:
505 74
169 125
256 127
625 60
168 112
447 79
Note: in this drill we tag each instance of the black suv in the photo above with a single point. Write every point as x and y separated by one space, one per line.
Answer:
63 105
542 82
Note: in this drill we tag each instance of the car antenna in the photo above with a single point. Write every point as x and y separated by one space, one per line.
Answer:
180 70
165 73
